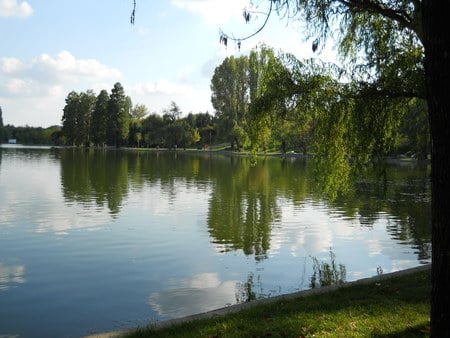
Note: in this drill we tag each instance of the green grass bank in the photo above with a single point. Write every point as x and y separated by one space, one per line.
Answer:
391 305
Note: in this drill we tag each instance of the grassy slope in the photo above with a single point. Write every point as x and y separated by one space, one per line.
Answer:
396 307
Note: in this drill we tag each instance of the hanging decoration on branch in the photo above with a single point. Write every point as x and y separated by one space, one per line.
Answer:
315 45
133 13
247 14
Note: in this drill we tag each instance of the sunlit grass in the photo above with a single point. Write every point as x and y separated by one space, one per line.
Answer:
396 307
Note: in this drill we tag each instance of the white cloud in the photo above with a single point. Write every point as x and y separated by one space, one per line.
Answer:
214 12
63 68
10 8
33 91
158 95
11 65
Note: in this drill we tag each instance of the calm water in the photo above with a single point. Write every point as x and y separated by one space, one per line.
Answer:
94 241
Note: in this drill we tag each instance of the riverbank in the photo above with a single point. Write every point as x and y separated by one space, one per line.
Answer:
388 305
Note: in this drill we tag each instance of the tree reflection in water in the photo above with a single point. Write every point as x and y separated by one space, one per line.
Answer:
327 273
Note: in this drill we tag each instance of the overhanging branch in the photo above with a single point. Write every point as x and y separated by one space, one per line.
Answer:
224 38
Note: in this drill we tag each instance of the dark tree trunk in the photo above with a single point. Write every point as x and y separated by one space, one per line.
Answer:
436 20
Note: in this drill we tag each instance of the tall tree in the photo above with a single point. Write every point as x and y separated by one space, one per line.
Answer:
77 115
84 119
435 16
230 97
70 117
270 87
137 115
100 119
119 107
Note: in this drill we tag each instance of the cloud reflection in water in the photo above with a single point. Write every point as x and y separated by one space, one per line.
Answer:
199 293
11 275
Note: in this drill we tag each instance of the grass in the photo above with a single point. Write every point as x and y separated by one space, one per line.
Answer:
394 307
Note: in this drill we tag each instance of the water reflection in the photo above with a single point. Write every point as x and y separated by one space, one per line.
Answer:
243 207
160 217
95 175
11 275
247 201
327 273
199 293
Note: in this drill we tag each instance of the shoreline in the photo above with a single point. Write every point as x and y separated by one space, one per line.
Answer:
243 306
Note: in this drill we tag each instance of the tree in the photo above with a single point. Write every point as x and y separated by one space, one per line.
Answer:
152 127
100 119
77 116
119 107
435 16
2 128
70 117
206 127
137 115
271 87
230 99
414 130
401 49
139 111
85 110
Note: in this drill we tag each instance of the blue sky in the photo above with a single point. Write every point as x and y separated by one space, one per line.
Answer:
51 47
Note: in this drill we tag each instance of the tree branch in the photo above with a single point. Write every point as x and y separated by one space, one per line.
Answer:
377 7
225 37
133 13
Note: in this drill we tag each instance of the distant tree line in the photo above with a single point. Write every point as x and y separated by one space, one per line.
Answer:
112 120
30 135
263 101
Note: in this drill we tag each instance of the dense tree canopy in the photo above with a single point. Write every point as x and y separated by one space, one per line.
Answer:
394 50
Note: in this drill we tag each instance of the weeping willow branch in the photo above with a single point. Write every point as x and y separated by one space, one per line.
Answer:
224 38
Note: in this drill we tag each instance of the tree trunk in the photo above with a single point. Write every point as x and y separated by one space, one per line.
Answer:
436 19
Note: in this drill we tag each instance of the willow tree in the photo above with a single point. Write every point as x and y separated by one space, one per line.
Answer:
400 49
269 80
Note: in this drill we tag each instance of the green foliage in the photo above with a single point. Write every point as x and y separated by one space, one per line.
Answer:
69 118
35 135
77 117
392 307
313 107
325 273
152 128
139 111
415 130
229 86
119 107
104 119
99 125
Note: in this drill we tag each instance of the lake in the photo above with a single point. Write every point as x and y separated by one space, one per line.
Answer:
100 240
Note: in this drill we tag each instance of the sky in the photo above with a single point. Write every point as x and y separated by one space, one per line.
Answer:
49 48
